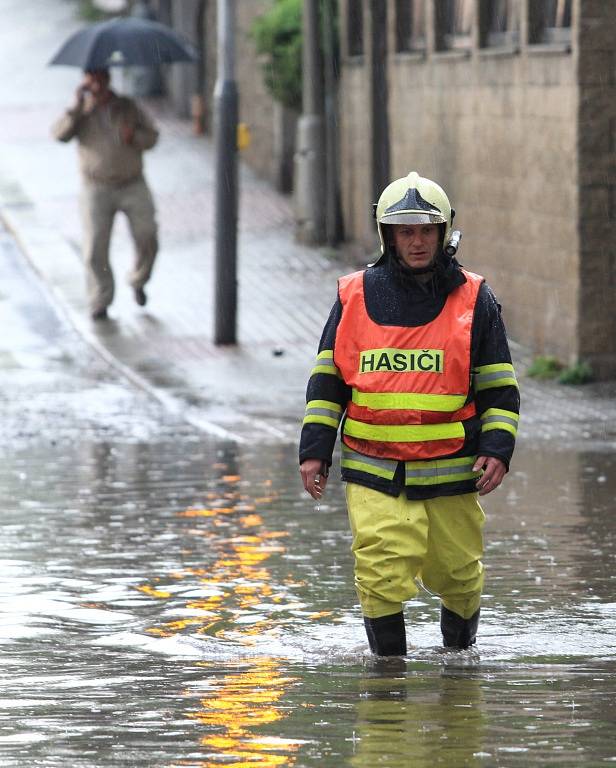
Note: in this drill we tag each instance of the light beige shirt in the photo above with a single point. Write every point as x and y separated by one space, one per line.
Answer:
103 155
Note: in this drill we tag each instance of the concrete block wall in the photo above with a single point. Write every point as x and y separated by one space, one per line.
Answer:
597 184
500 133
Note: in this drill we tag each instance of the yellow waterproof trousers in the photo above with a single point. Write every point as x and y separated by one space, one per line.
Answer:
397 541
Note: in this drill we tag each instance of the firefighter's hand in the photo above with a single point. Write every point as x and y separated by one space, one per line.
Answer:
314 477
493 472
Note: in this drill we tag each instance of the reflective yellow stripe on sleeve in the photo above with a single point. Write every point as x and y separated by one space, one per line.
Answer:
325 363
323 412
497 418
496 375
387 433
408 401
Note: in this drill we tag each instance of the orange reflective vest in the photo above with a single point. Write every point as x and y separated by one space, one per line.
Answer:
410 386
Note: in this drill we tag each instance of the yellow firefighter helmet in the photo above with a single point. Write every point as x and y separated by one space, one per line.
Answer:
413 199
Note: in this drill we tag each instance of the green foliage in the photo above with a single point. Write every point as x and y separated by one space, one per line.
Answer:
544 367
89 12
580 373
278 36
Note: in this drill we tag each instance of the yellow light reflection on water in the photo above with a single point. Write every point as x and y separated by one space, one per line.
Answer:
241 586
240 702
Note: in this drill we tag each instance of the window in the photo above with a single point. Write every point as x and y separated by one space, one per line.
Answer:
550 21
502 22
557 27
355 28
410 25
454 24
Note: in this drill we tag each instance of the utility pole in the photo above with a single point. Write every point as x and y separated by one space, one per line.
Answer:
333 214
310 155
225 223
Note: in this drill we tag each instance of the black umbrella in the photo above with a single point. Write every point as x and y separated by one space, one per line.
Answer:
124 42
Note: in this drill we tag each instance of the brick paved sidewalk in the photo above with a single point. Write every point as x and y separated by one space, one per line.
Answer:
284 295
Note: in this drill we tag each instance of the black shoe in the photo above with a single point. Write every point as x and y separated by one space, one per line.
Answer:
386 635
140 297
99 314
457 632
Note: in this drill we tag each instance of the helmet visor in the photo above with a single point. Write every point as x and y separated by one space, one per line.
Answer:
412 217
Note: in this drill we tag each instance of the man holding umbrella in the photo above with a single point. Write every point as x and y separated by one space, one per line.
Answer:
112 132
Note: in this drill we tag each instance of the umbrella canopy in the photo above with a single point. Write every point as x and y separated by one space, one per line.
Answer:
124 42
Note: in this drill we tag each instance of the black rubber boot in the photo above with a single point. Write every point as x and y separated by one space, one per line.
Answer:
386 635
458 632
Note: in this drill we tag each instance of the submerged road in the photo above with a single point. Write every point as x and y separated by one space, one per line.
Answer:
170 598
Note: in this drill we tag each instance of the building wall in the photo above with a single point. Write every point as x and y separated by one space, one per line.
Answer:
355 158
354 141
257 108
271 129
597 184
500 133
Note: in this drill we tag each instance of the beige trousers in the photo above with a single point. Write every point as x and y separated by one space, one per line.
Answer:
99 204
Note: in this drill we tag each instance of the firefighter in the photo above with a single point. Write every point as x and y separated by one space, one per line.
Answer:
415 367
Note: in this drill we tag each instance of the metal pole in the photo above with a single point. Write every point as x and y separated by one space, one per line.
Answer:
225 222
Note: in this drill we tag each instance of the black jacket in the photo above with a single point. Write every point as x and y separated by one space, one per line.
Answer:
394 297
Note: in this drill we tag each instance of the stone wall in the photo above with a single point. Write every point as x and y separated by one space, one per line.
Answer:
597 184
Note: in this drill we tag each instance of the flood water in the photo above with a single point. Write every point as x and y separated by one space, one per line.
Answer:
169 599
180 602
